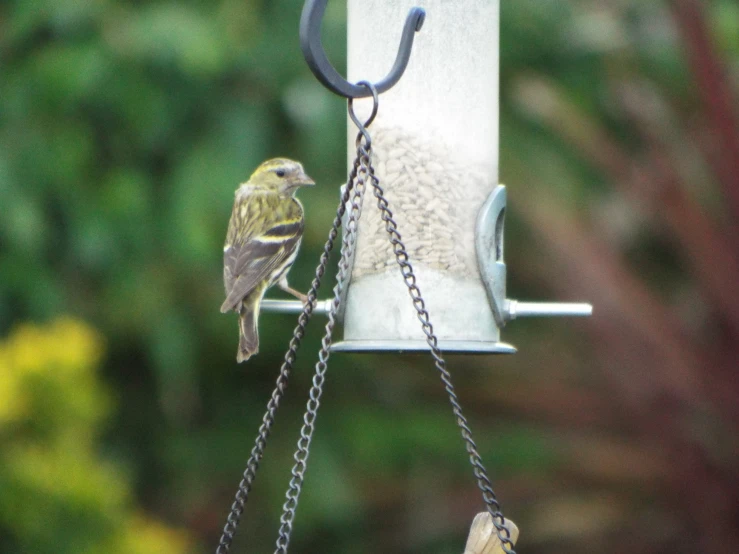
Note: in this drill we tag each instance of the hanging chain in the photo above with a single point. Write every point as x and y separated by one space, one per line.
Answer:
359 175
252 465
406 269
362 171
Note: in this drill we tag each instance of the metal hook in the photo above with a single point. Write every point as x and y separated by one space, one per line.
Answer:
315 56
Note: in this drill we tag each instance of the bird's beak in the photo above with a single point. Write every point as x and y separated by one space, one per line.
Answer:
305 181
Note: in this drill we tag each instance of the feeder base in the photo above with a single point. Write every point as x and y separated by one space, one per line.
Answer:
400 346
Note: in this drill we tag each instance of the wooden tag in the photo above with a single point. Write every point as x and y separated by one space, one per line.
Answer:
483 539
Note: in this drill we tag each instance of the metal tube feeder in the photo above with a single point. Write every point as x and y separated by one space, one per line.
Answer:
435 144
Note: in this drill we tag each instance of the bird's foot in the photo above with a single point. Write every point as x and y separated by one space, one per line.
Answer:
297 294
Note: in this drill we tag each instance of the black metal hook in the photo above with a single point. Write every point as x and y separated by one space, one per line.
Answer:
310 43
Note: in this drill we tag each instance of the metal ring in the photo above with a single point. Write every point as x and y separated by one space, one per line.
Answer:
363 126
375 103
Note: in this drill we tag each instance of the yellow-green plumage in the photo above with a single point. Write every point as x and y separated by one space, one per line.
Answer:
262 242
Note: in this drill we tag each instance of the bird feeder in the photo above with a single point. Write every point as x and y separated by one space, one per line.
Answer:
435 146
431 162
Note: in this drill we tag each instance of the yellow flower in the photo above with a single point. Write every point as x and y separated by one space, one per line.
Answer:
12 404
51 468
27 349
75 346
146 536
48 374
67 345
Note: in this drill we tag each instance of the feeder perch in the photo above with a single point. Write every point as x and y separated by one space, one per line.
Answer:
435 147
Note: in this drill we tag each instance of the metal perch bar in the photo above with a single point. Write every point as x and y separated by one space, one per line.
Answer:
515 309
293 306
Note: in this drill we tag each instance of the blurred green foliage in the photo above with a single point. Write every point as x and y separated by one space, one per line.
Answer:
125 126
58 494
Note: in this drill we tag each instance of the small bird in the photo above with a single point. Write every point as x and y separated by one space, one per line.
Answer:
262 242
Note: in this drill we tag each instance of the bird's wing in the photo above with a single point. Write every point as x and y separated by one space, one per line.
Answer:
260 259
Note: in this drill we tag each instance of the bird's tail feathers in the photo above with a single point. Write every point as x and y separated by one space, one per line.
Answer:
248 333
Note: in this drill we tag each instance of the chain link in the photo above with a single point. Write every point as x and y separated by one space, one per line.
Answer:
406 269
361 173
257 452
362 162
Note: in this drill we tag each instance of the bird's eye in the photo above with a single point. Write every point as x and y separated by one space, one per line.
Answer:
280 172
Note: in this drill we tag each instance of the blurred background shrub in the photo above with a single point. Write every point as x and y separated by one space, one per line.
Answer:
124 128
58 493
